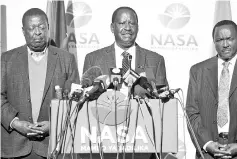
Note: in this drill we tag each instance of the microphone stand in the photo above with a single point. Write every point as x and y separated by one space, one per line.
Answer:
100 143
139 105
130 96
162 128
115 83
191 129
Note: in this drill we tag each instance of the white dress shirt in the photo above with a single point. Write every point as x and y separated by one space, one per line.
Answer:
119 56
118 60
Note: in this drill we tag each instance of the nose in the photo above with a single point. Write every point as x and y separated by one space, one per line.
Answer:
225 43
127 26
37 31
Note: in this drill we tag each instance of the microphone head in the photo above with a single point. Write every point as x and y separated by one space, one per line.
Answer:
139 91
86 82
97 89
59 93
115 81
144 83
90 75
105 79
130 82
115 72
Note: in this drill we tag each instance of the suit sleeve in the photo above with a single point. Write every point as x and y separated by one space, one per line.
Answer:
193 110
161 73
87 63
73 73
8 112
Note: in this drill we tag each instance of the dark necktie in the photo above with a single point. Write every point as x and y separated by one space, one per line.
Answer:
223 92
126 63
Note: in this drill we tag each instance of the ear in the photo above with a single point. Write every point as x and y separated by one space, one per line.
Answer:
112 27
23 31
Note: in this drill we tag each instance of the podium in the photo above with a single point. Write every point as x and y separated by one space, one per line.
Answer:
121 126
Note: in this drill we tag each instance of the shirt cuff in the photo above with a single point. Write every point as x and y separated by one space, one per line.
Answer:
13 121
205 146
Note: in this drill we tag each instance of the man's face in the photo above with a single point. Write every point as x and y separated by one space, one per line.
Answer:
35 30
125 28
225 41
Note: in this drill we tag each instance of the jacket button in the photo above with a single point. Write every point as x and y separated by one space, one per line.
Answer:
29 100
214 122
29 117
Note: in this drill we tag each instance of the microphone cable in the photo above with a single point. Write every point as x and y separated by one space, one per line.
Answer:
162 126
127 123
182 100
89 127
100 142
153 142
138 99
116 127
53 154
190 128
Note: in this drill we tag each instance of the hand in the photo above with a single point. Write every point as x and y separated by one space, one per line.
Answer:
232 149
43 127
218 150
25 128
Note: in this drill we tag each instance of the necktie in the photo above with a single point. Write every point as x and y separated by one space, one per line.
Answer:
126 63
223 92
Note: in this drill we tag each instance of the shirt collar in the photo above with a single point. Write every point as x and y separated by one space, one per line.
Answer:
33 53
119 50
232 61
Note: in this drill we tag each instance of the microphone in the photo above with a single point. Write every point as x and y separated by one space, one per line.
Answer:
130 74
59 94
142 81
115 73
139 91
115 82
130 84
172 92
100 84
76 92
169 93
90 75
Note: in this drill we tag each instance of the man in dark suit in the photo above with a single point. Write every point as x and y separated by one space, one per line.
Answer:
29 75
211 101
124 26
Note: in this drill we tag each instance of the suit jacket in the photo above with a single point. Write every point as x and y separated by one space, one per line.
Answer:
202 103
145 60
105 58
15 96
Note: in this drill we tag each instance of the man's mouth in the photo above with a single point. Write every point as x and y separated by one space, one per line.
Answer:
226 51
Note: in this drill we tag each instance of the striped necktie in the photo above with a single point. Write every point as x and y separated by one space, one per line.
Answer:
126 63
223 92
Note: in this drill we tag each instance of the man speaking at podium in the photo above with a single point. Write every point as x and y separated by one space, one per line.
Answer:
124 26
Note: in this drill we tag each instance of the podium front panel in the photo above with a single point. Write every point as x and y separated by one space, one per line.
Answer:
100 125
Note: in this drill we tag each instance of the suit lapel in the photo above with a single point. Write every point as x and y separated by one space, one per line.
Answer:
140 60
51 64
212 76
233 81
23 59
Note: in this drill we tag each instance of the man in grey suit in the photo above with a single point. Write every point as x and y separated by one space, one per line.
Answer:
124 26
212 92
29 75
